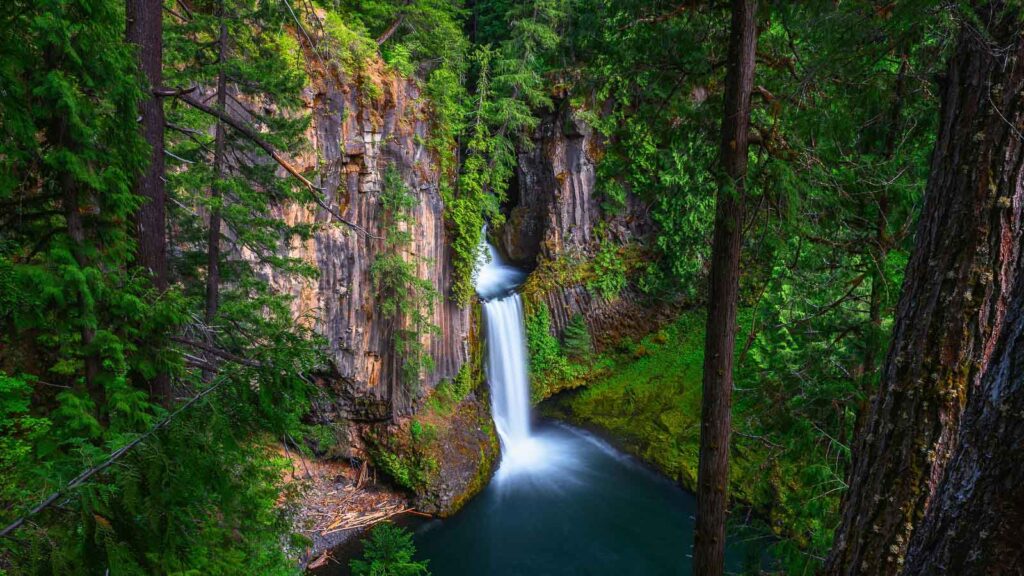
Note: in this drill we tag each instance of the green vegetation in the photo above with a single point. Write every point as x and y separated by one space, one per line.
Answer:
608 277
407 457
647 394
408 473
389 551
576 339
402 295
448 394
109 373
551 368
843 122
163 388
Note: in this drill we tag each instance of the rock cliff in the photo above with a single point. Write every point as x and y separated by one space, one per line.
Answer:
359 129
555 214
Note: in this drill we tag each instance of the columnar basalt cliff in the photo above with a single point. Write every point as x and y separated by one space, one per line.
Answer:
554 216
362 128
358 131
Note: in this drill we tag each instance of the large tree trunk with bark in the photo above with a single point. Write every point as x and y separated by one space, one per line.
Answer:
716 409
145 31
973 526
975 517
954 301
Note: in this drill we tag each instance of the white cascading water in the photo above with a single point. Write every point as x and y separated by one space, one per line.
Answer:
507 361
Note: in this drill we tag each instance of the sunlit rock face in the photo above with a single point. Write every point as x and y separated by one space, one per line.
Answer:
353 138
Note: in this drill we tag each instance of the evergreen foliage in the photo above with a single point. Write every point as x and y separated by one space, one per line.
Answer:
576 338
608 276
83 333
550 365
403 296
843 123
389 551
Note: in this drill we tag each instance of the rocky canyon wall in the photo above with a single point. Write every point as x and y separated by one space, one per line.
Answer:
358 131
556 214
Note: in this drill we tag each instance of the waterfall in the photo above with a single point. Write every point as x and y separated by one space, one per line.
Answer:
506 367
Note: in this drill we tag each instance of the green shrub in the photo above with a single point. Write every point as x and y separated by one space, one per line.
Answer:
450 393
550 368
389 551
399 469
348 46
576 339
609 276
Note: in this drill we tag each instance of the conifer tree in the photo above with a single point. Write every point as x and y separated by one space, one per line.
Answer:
716 407
576 338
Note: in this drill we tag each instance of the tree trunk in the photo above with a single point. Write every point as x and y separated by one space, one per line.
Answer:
973 523
716 409
213 240
145 30
953 304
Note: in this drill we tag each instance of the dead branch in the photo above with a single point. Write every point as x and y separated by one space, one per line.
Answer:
114 456
217 352
253 136
391 30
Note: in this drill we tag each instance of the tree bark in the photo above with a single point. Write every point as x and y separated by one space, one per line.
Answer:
973 523
213 240
953 305
716 408
213 235
145 31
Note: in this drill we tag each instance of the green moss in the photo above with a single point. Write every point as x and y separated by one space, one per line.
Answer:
488 460
648 395
607 273
550 275
551 369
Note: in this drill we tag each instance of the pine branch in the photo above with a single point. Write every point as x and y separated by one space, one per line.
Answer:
114 456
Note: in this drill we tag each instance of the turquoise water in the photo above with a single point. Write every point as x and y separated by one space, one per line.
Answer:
562 502
579 508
